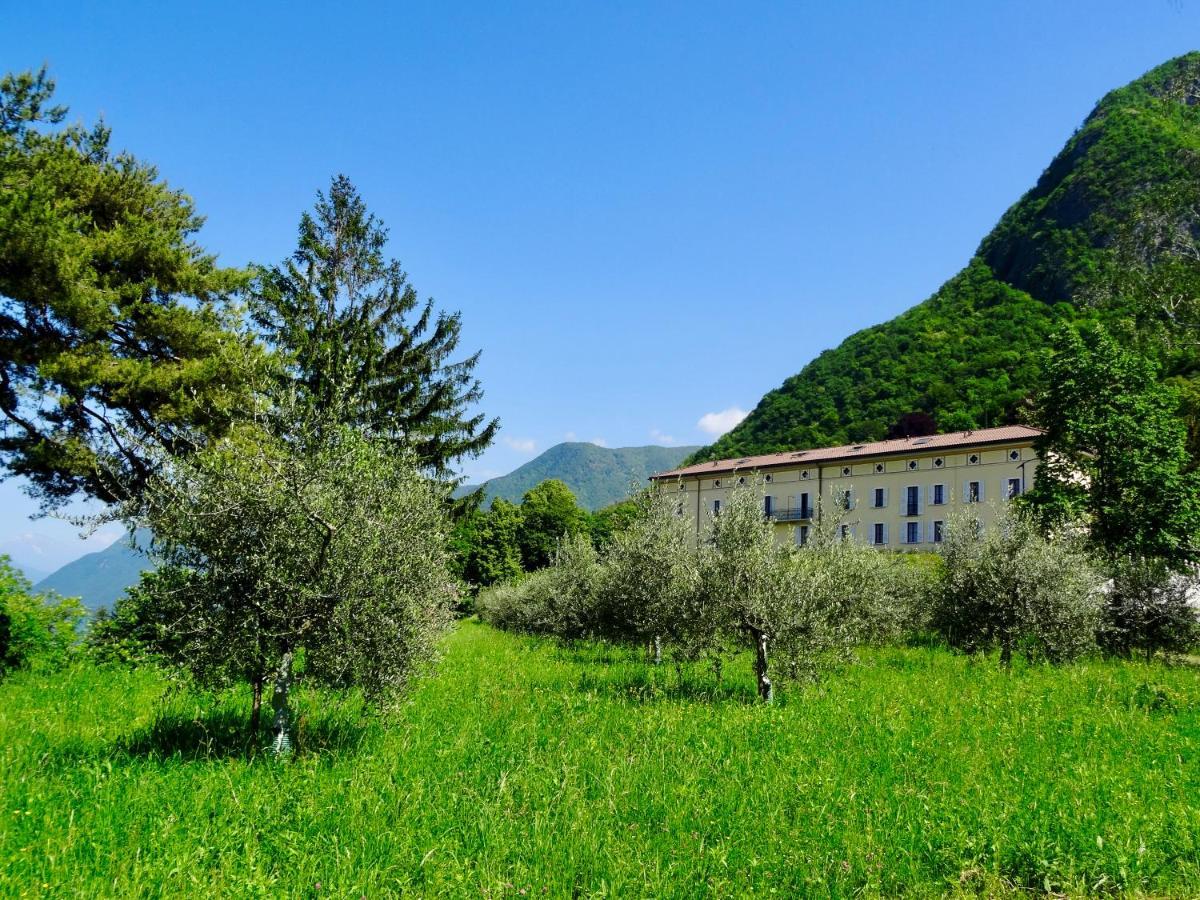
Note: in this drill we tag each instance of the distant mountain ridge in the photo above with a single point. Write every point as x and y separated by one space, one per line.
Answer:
598 476
99 579
969 355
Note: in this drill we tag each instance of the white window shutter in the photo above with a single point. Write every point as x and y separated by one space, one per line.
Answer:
981 483
930 530
966 492
920 502
871 535
885 532
885 496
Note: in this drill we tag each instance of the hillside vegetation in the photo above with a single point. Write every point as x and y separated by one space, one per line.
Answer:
968 355
523 769
597 476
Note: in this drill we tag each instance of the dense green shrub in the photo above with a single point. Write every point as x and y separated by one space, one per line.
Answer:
1011 587
1146 609
35 629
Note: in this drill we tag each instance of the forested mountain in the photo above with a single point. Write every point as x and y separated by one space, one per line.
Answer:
99 578
968 355
598 476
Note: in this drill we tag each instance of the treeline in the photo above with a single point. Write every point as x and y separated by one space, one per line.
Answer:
507 540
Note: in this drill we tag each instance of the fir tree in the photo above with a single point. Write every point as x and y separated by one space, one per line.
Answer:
362 343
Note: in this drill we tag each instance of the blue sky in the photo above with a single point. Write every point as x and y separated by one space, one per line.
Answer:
647 213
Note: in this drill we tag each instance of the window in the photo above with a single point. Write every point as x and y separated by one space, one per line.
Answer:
912 532
879 533
1014 488
938 463
742 480
805 509
804 474
878 468
768 503
845 499
912 464
939 528
878 498
767 479
1014 455
679 509
845 470
844 531
682 486
974 491
801 535
717 483
939 494
973 459
716 507
912 501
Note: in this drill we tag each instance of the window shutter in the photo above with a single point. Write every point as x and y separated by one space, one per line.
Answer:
981 483
931 534
885 497
920 502
852 500
871 535
885 532
966 492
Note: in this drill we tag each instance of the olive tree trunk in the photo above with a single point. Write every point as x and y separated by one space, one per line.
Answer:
766 691
281 745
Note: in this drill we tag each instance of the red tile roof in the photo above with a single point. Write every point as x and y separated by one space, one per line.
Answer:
1004 434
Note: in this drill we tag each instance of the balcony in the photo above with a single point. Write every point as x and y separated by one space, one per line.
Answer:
792 514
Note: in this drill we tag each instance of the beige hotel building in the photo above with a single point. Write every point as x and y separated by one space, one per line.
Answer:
894 494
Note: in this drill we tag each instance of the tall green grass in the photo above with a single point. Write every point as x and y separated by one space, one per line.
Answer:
522 767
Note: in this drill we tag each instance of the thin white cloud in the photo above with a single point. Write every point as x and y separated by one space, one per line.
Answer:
717 423
521 445
659 438
570 436
600 442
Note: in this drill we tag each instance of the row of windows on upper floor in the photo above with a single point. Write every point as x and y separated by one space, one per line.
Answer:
878 533
912 501
912 465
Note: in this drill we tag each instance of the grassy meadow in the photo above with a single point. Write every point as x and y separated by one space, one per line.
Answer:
525 769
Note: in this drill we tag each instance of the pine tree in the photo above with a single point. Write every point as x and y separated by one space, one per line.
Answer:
116 330
360 341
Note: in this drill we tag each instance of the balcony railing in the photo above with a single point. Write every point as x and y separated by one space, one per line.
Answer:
791 514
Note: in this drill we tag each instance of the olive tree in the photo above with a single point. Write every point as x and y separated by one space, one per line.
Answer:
1148 608
328 544
1012 587
651 578
807 606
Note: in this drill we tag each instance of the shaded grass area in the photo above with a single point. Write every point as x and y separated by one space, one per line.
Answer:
583 771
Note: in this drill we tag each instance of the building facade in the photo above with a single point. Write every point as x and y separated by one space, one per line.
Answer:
895 494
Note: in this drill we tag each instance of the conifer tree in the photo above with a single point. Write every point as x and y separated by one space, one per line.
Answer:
361 343
116 329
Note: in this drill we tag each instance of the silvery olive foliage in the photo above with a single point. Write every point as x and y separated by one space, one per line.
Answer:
651 578
326 545
1149 608
1013 588
659 584
802 610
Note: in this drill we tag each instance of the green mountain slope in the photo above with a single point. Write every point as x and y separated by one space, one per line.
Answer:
99 578
969 354
598 476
